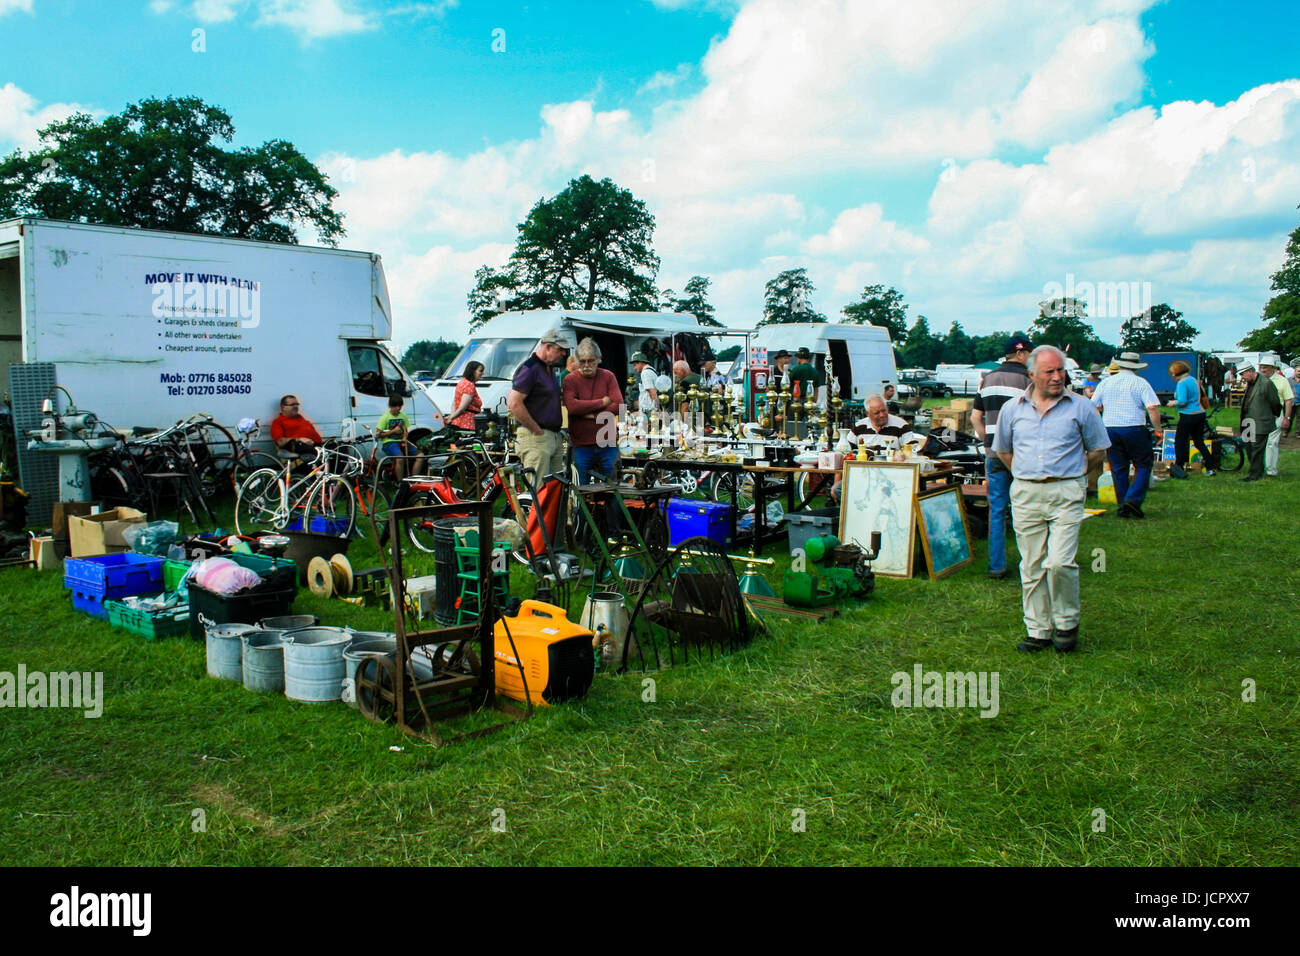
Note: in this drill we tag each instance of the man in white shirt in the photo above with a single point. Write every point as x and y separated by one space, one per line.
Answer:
1126 402
879 429
649 400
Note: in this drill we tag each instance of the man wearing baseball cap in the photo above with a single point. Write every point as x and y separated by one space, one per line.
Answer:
1007 381
1269 368
1126 401
534 401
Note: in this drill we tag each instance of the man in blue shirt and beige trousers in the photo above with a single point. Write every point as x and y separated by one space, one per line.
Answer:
1048 438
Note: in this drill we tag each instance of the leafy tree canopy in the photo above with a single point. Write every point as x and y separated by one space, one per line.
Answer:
1158 329
922 349
1281 330
1064 323
729 354
695 301
587 248
434 355
160 165
880 306
788 298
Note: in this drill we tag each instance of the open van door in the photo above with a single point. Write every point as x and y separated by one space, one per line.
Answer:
374 377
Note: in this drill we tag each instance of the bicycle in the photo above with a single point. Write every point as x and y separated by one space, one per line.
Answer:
320 500
1227 453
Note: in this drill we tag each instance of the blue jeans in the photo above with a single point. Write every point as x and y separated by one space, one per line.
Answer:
603 461
1130 445
999 505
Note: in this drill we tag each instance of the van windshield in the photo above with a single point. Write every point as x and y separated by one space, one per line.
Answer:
500 357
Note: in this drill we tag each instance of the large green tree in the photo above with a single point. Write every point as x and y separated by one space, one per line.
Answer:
587 248
922 348
695 300
160 164
1159 329
880 306
788 298
425 354
1281 330
958 347
1064 323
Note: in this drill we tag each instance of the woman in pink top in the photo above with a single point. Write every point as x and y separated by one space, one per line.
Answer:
467 402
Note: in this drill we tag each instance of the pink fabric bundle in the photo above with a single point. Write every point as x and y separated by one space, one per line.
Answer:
224 576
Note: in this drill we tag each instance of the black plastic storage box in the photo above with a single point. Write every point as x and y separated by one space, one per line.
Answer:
273 597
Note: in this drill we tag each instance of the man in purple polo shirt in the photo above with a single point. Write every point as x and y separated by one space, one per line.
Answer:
1048 437
534 401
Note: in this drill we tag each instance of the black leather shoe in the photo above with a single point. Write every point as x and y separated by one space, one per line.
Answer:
1135 510
1031 644
1248 478
1124 510
999 575
1064 641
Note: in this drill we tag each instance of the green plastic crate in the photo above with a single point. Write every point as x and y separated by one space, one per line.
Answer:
172 622
174 569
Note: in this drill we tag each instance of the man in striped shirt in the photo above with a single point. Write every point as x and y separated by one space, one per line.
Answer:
1126 401
998 387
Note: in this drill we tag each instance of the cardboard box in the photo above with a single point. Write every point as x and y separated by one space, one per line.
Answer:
1195 467
962 404
101 533
63 510
41 550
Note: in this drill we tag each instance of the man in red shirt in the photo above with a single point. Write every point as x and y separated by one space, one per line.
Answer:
292 431
593 398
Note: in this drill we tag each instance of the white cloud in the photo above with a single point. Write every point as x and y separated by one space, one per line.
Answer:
666 79
417 10
217 11
20 119
161 6
863 231
10 6
313 19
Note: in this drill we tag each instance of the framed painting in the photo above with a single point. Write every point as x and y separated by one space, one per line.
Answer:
881 496
941 520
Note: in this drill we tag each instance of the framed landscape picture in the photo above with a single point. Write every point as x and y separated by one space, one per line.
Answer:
942 522
881 496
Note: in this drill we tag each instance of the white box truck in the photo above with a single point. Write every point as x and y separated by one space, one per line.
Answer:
861 355
144 327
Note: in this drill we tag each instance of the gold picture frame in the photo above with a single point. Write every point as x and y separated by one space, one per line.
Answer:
939 517
881 496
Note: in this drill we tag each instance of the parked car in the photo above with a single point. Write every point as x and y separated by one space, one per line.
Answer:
918 380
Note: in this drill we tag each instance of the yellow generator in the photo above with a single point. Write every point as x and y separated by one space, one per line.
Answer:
557 655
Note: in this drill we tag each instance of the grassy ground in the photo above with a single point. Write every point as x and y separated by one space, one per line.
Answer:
1146 723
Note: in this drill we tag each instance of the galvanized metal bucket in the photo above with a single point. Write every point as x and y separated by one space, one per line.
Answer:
264 661
313 664
379 645
224 643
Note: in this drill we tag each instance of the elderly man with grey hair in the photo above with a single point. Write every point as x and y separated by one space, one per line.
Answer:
593 399
1048 437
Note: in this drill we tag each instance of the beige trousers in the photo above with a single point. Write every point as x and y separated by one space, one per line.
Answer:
1047 516
1273 450
542 454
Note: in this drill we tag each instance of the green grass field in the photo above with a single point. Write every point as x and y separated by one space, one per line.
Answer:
1146 724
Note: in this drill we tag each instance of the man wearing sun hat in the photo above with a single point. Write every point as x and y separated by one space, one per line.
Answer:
1259 411
1127 401
1269 366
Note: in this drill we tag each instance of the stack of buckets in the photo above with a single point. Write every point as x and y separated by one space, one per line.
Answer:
295 655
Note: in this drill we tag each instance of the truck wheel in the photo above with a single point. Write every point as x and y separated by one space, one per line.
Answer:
927 393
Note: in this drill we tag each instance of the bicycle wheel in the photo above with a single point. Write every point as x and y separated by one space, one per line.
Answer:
249 462
259 503
331 507
371 503
1230 454
421 532
214 451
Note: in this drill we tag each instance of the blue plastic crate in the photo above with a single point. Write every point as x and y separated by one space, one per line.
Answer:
89 602
689 518
114 575
320 525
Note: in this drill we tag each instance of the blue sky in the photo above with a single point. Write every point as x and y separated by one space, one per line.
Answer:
970 154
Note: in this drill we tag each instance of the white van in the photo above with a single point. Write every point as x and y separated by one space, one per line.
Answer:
962 379
146 327
861 355
505 341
